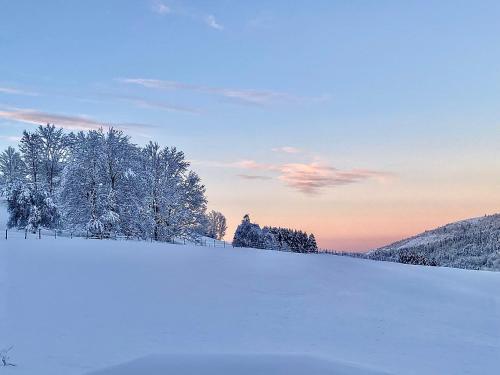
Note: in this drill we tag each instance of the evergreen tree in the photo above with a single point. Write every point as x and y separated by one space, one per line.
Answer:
312 247
248 234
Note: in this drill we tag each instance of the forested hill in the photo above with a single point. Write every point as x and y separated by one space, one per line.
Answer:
472 244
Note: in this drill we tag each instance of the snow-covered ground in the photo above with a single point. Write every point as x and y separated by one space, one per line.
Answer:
76 306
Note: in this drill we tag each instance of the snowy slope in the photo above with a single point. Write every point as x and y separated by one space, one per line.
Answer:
472 243
79 306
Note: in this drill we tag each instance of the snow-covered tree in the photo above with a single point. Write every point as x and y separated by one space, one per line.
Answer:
249 234
31 203
12 169
216 225
175 200
312 247
31 150
83 192
30 208
192 206
54 147
120 164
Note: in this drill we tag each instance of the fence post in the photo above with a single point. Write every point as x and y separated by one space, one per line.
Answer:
39 233
5 233
224 244
55 233
71 235
214 242
25 233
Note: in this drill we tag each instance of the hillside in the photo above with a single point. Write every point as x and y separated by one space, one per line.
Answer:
76 306
472 244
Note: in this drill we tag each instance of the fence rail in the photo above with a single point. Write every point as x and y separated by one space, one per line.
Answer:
41 234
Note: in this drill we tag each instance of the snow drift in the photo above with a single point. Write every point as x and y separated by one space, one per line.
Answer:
234 364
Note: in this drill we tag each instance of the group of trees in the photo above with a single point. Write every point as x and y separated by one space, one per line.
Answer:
410 257
99 183
250 234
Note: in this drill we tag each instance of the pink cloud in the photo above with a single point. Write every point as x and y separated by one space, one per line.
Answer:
308 178
31 116
311 178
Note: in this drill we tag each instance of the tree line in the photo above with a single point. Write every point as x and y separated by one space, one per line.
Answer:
99 183
250 234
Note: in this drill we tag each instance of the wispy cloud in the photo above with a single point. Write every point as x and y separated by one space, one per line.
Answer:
252 164
254 177
160 8
31 116
141 103
308 178
287 150
16 91
249 96
212 22
240 164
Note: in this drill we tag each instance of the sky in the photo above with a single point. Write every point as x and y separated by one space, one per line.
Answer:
360 121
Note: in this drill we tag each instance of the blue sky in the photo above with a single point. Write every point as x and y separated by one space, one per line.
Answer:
361 121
